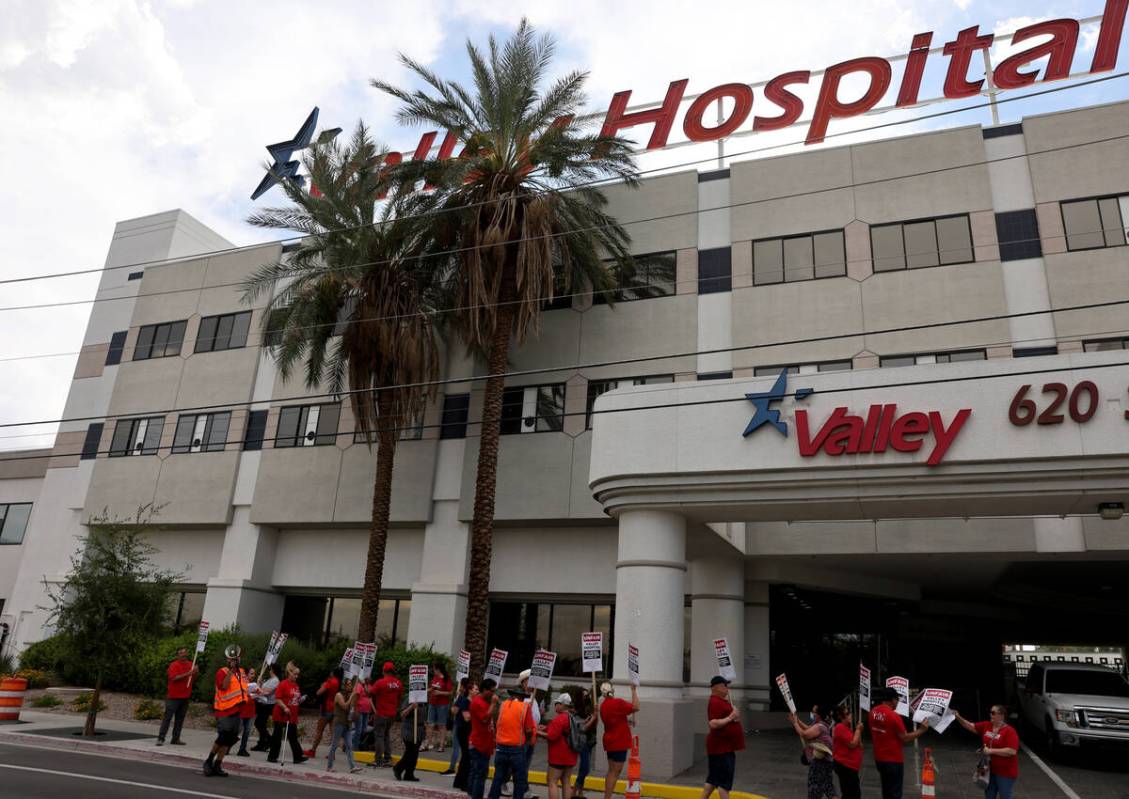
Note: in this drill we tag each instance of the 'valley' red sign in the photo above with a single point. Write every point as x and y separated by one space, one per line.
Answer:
847 434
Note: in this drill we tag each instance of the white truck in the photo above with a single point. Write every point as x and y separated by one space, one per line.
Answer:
1076 705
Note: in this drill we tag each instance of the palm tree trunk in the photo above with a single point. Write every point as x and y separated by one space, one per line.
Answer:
387 437
482 525
92 713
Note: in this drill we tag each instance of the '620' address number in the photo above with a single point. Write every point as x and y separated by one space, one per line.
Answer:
1081 404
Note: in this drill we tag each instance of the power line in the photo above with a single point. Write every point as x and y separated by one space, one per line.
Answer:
659 406
645 220
595 182
578 367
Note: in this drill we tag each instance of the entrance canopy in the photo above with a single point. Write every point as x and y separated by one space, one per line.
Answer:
1001 437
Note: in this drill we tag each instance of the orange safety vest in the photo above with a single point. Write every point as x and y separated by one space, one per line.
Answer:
510 729
236 694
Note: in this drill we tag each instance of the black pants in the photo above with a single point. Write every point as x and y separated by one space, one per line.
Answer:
406 766
175 711
892 776
280 729
848 782
262 716
462 775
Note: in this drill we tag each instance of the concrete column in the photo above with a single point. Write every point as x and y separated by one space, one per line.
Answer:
650 597
241 592
717 608
758 678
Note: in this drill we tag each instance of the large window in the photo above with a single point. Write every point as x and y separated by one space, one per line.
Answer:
1018 234
186 608
1096 222
521 628
204 432
715 270
921 243
308 425
137 436
159 341
410 430
225 332
598 387
794 258
653 276
533 409
935 357
320 619
13 522
456 413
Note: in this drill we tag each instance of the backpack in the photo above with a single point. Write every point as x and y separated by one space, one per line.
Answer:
577 737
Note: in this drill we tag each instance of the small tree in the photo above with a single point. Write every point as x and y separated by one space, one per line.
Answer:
113 599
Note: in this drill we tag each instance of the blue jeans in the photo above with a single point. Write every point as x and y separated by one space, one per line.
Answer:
583 766
359 725
340 734
454 753
479 768
1001 787
510 761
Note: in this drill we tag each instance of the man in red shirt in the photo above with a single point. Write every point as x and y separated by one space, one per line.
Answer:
385 704
1001 745
326 693
481 737
725 738
617 734
180 673
889 736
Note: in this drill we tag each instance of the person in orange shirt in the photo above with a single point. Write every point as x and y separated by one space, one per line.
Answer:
232 692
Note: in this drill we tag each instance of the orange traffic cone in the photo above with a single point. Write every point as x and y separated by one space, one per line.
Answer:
634 769
928 776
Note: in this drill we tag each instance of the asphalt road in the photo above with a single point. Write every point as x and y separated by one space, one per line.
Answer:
28 773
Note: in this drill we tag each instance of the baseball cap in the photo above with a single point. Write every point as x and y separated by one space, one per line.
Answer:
523 676
389 665
563 699
718 680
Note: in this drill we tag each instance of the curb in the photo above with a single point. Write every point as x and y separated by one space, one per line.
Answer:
342 780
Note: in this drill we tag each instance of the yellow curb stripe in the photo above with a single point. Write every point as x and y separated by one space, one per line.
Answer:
658 790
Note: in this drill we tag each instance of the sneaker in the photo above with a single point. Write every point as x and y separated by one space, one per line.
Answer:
310 753
355 769
329 767
177 742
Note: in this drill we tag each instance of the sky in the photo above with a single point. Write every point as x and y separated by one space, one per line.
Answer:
121 108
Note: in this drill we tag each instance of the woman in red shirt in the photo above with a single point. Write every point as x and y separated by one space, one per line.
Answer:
438 707
561 755
287 697
1001 745
846 748
617 733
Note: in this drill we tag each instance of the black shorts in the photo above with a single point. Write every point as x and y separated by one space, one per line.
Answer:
228 729
721 768
559 768
617 756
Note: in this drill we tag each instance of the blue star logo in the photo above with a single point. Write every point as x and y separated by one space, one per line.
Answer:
765 413
283 167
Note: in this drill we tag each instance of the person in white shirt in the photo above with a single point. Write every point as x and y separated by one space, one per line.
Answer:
264 706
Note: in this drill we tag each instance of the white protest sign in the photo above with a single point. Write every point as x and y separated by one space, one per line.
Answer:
462 666
270 646
591 652
417 684
933 705
541 670
901 685
496 665
945 721
276 648
786 692
370 656
347 659
724 661
357 662
633 663
202 637
864 688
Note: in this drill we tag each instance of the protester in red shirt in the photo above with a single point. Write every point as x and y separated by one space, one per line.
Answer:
561 755
326 694
385 705
287 697
180 674
438 707
247 715
889 736
723 741
481 740
617 733
1001 745
846 748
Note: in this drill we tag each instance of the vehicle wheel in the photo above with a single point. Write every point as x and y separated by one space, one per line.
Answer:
1051 739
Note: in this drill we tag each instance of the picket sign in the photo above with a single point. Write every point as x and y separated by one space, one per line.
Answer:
201 642
724 661
346 659
786 692
933 705
541 670
633 664
357 662
462 666
417 684
367 661
496 664
901 685
591 652
864 688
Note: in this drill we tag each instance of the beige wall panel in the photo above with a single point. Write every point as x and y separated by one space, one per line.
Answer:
329 559
523 492
782 538
121 485
919 152
674 197
24 463
91 361
941 535
581 504
196 488
174 291
827 210
235 267
1105 534
412 477
296 485
68 447
686 271
956 192
754 184
142 387
295 388
785 311
194 554
1052 235
1091 276
583 561
557 345
217 378
1085 170
936 294
641 328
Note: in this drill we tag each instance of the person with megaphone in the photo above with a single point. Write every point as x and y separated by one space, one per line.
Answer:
232 692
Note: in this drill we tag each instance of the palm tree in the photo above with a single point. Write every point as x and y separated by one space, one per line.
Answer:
353 303
519 209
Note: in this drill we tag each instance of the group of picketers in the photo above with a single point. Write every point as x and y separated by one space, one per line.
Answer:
833 746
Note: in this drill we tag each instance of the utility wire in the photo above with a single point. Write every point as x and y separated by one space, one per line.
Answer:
599 181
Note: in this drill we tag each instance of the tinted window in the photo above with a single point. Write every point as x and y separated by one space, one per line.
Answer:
456 411
1092 683
715 268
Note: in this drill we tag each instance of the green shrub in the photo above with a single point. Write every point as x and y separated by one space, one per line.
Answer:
7 665
147 709
46 700
81 703
36 679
